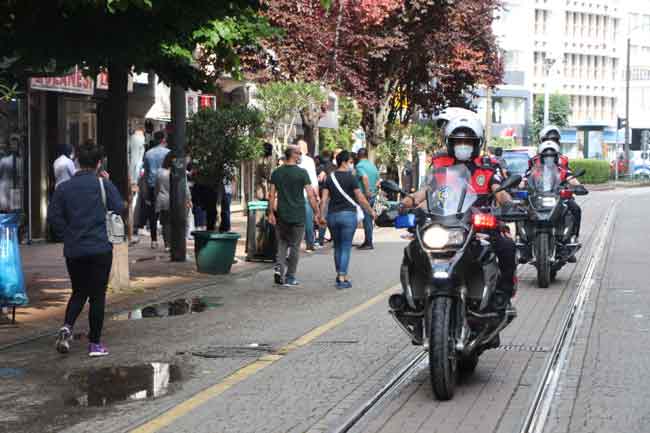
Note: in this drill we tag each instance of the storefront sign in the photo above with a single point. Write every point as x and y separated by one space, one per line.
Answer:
72 83
102 82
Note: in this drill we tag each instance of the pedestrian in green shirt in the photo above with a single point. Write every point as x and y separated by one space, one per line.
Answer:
287 204
368 176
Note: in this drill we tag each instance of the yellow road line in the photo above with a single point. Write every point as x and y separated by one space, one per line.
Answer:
243 373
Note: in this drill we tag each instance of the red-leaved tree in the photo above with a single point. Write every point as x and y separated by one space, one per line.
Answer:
394 57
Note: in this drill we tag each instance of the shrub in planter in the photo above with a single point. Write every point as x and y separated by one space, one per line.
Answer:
597 170
218 141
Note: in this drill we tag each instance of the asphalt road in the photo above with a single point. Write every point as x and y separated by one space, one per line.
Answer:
267 359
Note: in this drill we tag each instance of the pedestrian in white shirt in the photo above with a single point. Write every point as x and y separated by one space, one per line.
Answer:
307 163
64 167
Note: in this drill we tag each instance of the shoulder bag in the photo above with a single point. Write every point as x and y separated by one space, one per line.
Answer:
114 223
360 214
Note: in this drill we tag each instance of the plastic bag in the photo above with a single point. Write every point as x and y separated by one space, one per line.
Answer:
12 280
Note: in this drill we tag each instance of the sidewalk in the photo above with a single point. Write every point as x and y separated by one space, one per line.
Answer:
152 275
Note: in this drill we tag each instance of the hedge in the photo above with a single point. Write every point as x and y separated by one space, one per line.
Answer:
596 170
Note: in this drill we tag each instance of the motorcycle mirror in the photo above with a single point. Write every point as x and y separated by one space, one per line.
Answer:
390 186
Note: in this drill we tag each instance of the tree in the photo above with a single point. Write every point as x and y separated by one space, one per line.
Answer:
559 111
283 101
125 35
349 121
392 152
395 58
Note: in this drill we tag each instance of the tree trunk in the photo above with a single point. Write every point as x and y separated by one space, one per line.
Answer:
374 125
115 129
177 199
114 138
310 119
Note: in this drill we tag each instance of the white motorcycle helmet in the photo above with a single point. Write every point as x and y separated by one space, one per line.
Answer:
465 127
548 146
550 133
450 113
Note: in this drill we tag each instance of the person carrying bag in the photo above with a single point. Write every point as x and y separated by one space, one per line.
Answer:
87 217
343 214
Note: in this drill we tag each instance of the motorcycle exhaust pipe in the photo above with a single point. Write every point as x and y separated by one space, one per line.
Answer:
508 317
405 328
397 302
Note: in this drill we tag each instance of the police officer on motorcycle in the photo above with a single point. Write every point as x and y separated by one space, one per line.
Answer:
549 145
463 137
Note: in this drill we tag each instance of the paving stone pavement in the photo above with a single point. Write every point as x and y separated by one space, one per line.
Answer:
313 387
605 385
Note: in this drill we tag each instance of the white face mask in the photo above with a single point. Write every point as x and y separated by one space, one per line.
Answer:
463 152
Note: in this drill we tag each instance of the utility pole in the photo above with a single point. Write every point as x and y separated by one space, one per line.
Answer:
548 63
488 117
178 211
627 109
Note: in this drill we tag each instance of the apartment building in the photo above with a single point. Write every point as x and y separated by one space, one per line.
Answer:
578 48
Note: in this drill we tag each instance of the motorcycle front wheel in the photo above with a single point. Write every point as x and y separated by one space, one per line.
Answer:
442 353
543 259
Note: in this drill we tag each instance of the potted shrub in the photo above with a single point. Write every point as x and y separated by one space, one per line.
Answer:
219 140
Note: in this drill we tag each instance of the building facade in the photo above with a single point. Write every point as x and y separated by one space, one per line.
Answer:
578 48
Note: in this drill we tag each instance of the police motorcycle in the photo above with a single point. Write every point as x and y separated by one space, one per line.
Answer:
449 275
544 239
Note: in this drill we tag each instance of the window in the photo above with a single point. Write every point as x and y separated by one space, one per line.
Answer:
512 60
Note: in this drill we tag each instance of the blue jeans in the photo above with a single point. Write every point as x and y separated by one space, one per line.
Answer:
368 224
309 224
342 226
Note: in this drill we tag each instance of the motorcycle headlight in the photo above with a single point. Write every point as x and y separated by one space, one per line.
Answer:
548 201
436 238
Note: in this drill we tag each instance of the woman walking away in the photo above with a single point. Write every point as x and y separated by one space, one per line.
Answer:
78 214
340 188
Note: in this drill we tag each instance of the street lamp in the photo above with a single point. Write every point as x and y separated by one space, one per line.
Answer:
548 64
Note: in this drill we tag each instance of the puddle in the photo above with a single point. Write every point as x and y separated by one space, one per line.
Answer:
11 373
111 385
177 307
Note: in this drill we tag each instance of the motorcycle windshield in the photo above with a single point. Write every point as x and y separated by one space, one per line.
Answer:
450 191
545 178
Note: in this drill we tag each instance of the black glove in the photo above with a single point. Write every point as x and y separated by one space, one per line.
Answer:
579 190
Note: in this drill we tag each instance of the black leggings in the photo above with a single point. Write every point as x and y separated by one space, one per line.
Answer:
89 277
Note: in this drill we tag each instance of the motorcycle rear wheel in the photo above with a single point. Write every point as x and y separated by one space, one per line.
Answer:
542 247
442 354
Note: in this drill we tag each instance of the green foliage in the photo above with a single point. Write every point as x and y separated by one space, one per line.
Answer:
349 116
596 170
8 92
223 138
503 142
392 152
426 136
161 35
559 111
282 101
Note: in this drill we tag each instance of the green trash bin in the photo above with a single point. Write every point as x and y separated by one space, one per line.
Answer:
214 252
